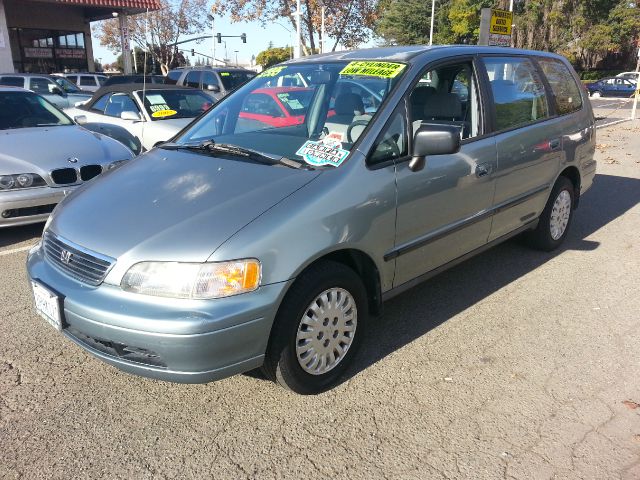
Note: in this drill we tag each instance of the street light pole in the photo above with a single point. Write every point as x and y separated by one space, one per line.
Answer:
213 39
433 11
322 32
298 52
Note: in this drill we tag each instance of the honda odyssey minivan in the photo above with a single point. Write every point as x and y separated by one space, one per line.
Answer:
242 244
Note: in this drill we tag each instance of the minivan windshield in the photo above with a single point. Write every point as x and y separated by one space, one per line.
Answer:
316 120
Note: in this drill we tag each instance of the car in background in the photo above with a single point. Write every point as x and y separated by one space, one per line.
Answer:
153 115
89 82
44 156
141 79
633 76
218 81
45 85
611 87
275 107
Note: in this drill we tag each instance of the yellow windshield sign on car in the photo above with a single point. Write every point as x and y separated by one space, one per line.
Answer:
271 72
163 113
373 69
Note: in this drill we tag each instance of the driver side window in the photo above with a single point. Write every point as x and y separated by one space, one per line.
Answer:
392 142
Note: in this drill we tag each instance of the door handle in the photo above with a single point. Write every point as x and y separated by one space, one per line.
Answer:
554 144
483 169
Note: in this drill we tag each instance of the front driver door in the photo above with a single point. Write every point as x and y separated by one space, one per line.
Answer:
444 210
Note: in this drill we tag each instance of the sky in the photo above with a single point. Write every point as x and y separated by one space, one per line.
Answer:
258 37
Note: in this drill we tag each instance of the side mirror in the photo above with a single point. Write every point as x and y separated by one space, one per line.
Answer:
130 115
55 90
213 88
433 139
80 119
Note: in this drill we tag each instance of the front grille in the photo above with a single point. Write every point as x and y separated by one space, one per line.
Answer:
64 176
88 267
89 171
28 211
118 350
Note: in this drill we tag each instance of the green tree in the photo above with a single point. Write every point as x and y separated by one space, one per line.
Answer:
272 56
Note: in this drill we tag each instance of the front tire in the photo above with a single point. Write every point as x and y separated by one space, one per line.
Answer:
318 329
556 217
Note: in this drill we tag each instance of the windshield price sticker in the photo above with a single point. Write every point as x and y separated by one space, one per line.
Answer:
271 72
373 69
161 111
319 154
155 99
224 74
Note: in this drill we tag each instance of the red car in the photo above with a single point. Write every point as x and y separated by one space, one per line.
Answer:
277 106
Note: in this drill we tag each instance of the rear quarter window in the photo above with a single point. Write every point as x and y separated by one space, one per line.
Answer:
563 85
12 81
173 77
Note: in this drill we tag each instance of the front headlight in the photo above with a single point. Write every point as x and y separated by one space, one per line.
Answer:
21 180
193 280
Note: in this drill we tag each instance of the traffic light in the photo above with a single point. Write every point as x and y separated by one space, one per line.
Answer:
219 37
244 38
193 53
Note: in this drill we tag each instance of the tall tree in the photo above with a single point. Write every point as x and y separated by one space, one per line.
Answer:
347 22
157 31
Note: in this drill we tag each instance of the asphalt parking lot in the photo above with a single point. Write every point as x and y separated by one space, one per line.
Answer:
516 364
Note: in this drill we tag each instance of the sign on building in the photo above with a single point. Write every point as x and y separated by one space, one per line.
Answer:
495 27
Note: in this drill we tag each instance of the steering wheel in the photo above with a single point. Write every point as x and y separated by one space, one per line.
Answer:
355 124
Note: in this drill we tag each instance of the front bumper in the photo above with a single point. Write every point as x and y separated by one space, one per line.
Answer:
185 341
32 205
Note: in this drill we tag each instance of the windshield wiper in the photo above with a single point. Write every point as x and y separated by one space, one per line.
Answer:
236 150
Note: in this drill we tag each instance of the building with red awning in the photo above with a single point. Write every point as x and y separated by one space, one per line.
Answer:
46 36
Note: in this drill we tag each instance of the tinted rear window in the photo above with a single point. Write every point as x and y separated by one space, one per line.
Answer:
172 77
12 81
564 87
233 79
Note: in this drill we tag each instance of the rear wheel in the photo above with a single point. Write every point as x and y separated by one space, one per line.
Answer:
556 217
596 94
318 329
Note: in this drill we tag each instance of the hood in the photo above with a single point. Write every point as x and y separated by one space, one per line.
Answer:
40 150
172 205
171 127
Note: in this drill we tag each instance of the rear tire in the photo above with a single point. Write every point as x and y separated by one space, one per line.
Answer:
596 95
318 329
555 220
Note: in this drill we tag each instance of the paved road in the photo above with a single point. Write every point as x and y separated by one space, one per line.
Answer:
514 365
607 110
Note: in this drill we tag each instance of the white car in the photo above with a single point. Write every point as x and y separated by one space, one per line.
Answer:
633 76
153 115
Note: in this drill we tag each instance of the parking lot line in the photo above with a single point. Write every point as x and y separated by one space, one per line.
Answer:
15 250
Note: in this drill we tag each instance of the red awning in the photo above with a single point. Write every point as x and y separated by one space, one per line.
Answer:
144 4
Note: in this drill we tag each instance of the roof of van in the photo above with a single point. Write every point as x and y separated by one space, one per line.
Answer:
406 53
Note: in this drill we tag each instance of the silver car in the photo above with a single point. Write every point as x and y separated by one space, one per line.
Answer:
44 156
253 240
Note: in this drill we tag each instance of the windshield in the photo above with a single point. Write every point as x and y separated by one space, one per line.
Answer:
317 123
171 104
26 109
233 79
67 86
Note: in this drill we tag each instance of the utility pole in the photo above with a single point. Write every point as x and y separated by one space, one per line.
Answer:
433 11
213 39
322 32
298 52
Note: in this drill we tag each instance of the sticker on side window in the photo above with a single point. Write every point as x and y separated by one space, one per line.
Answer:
373 69
271 72
319 153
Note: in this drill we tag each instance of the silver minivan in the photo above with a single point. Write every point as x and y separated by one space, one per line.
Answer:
268 232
